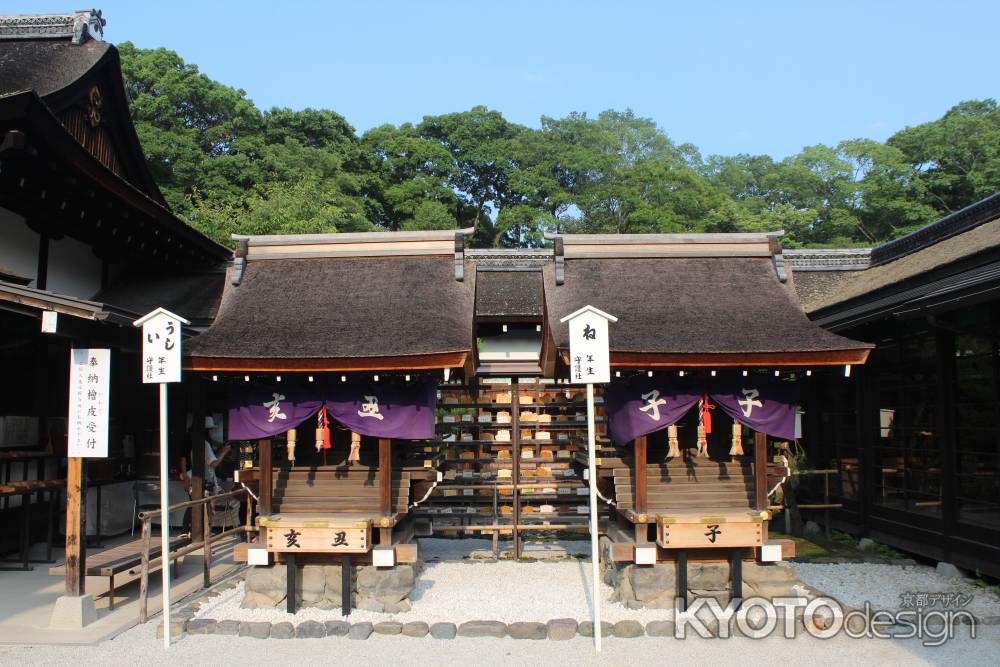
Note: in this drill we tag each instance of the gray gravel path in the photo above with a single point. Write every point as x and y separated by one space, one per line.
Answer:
140 647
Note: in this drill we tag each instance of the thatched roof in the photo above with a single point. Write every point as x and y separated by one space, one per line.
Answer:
336 308
193 295
508 295
855 284
683 306
46 66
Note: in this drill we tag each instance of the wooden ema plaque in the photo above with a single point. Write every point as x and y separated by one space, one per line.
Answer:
709 533
318 537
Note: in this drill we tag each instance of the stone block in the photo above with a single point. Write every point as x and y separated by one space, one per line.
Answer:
201 626
627 629
388 628
443 631
586 629
561 629
229 628
360 631
660 628
415 629
337 628
310 630
527 630
949 570
482 629
284 630
255 629
708 576
388 586
176 628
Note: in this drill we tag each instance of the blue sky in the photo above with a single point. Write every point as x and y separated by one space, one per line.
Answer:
730 77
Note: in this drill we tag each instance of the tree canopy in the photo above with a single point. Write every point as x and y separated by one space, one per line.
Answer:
228 167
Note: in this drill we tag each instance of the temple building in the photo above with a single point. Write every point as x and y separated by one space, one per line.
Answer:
915 434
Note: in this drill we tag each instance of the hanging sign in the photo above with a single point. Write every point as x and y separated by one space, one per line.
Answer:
589 359
161 346
89 398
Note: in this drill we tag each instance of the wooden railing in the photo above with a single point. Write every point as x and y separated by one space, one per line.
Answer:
206 540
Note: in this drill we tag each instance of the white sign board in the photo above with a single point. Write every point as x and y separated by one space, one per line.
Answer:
161 346
588 346
89 402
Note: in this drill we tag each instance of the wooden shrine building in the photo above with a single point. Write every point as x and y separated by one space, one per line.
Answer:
344 337
87 245
706 320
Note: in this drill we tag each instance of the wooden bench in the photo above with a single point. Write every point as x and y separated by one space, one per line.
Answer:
125 558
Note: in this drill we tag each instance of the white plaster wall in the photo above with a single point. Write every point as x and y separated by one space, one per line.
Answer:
74 269
18 245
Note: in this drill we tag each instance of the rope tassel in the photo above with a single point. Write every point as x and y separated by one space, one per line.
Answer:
737 448
355 455
675 449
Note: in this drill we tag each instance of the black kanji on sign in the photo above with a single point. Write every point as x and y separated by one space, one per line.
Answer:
340 539
713 532
292 536
589 332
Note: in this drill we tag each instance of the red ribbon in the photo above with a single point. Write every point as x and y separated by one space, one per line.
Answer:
324 423
705 414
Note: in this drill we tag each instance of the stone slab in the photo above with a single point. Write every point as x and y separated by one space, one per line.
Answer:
443 631
561 629
527 630
360 631
482 629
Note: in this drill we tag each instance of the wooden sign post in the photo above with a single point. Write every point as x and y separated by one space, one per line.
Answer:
161 364
86 437
589 359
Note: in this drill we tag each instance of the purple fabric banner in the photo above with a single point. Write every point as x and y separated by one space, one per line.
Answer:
761 403
385 410
257 412
644 408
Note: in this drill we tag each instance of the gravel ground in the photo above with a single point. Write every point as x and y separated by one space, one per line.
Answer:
855 583
139 647
464 591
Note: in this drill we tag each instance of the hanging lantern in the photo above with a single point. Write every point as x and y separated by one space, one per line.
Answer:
355 455
737 448
675 449
290 444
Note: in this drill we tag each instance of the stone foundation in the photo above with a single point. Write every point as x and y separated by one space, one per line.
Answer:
655 586
373 589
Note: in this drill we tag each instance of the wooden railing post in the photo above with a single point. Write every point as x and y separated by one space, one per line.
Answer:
207 542
641 485
144 571
760 469
266 476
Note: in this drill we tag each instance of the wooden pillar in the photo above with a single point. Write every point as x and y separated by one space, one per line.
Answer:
515 440
760 469
639 473
385 476
76 549
266 476
196 406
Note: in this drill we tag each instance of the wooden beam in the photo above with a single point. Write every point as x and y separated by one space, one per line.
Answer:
644 360
76 549
760 469
413 362
639 472
385 476
266 475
